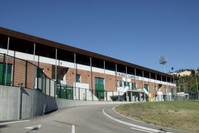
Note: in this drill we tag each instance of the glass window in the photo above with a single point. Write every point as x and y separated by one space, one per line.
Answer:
99 81
6 77
120 83
133 86
146 86
126 84
78 78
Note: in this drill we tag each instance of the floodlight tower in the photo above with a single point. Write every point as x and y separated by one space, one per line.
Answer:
163 61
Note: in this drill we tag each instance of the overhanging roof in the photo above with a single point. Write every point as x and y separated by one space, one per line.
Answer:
38 40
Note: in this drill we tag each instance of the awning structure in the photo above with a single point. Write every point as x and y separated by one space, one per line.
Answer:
140 91
137 90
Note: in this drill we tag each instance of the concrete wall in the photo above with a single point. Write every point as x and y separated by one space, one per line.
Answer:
19 103
9 103
16 103
34 102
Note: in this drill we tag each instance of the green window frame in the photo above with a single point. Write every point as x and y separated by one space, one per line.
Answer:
99 87
5 79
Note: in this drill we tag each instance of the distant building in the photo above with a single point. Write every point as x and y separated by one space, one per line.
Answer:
184 73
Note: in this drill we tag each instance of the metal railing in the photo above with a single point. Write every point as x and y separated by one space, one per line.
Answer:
19 72
27 74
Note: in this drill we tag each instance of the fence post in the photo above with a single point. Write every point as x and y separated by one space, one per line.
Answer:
20 103
66 89
55 88
79 93
106 95
3 75
60 91
45 84
42 82
49 87
37 78
26 72
13 71
92 95
85 94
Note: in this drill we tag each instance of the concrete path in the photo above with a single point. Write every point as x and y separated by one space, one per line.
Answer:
83 119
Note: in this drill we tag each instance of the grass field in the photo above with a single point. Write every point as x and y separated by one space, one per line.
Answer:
182 115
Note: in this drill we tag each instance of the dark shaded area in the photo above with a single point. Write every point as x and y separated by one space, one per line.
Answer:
2 126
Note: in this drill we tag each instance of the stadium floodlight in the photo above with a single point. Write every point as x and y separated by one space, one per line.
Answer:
163 61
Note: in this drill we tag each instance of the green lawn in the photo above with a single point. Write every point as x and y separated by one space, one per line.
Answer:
183 115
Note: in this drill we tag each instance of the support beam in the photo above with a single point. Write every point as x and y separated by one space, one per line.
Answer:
135 71
142 79
8 46
149 82
75 74
116 77
55 65
91 78
34 72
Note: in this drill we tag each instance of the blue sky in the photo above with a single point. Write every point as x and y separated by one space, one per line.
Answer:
137 31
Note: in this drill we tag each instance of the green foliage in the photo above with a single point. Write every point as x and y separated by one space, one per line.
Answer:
189 84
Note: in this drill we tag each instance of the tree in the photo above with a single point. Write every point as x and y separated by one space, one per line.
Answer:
193 72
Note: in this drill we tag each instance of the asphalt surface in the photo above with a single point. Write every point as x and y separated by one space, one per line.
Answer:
83 119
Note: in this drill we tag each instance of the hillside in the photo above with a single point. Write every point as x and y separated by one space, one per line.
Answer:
188 83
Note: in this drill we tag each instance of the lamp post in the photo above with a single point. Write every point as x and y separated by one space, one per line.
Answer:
196 85
163 61
172 90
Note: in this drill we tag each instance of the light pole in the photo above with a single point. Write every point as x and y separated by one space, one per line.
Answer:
197 86
172 90
163 61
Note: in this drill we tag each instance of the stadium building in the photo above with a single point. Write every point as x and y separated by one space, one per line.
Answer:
77 74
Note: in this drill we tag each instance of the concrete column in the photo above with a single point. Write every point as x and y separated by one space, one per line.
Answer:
105 92
143 84
149 82
142 79
116 76
91 78
75 74
8 45
34 72
135 77
55 65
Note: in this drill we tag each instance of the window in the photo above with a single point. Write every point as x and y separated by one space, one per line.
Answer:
146 86
40 72
120 83
126 84
133 86
6 77
78 78
99 88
